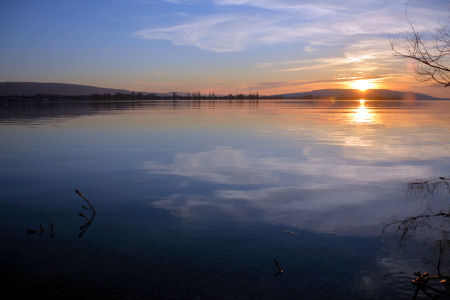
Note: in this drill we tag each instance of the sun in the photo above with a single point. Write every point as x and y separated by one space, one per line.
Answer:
363 85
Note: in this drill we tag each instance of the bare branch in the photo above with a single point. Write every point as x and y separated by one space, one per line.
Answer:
428 49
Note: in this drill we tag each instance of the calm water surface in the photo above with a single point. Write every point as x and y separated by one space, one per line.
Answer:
196 200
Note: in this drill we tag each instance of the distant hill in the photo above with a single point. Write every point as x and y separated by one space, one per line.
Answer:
32 88
367 94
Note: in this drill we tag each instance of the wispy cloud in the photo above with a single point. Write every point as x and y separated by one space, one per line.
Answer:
219 33
281 21
361 53
281 84
366 59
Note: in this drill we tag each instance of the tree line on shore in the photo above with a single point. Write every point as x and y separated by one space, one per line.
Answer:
130 96
175 96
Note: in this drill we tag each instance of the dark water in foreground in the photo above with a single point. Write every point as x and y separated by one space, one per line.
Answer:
196 200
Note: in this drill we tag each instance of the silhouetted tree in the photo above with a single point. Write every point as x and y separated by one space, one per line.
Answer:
429 49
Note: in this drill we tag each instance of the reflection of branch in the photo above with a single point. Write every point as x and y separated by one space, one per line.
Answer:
82 215
424 190
408 226
85 226
51 230
41 232
437 222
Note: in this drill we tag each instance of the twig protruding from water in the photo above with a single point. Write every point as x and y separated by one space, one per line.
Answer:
290 232
421 282
32 231
279 268
89 220
90 205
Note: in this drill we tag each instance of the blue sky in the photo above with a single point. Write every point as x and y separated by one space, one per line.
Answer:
221 46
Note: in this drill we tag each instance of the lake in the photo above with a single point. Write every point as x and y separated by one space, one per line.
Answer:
211 199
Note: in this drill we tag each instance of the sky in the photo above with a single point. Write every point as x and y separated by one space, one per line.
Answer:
220 46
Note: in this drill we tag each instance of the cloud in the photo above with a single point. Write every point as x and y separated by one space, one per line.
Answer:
318 7
284 21
280 84
366 59
343 8
364 53
222 33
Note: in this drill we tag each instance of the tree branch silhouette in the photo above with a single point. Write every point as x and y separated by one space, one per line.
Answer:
429 49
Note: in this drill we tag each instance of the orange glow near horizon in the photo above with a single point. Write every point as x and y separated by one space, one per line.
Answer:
363 85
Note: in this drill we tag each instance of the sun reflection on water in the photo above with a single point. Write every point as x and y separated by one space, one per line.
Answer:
363 114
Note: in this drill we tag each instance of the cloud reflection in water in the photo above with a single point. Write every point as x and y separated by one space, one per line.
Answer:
336 195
